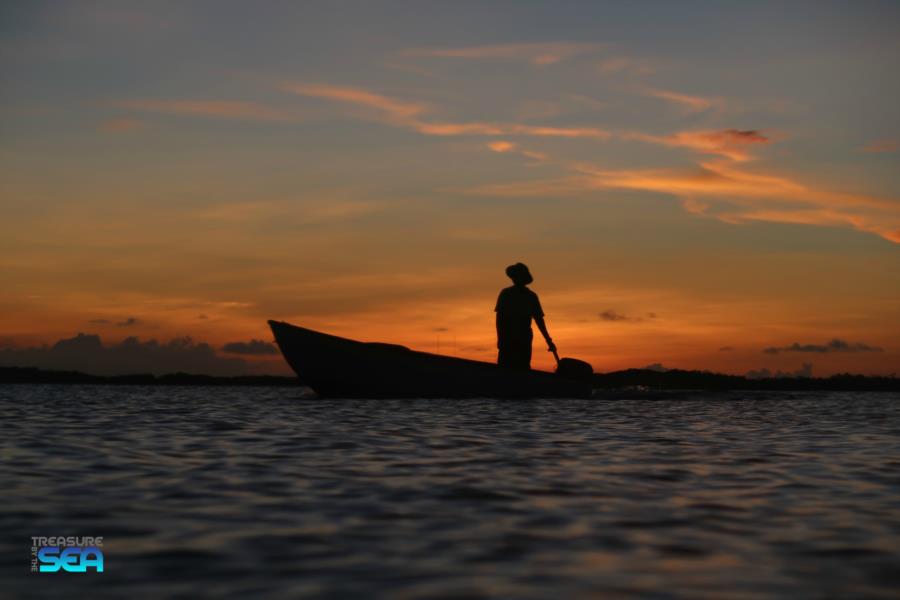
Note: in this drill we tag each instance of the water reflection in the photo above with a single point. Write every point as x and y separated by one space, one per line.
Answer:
256 491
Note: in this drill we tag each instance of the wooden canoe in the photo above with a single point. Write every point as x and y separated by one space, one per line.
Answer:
336 367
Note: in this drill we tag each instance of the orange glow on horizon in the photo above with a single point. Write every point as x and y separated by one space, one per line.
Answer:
676 206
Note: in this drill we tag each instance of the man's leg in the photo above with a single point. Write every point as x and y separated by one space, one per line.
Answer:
515 355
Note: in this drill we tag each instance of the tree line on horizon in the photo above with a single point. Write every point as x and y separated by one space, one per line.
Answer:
649 379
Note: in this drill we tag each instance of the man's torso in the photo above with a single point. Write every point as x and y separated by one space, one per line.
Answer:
516 306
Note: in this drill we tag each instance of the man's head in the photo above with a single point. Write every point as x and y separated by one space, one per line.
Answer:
519 274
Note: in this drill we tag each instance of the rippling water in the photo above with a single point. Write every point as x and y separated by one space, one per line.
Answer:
260 492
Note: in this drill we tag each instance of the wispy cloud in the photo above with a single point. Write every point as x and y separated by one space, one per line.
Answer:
713 178
835 345
726 191
623 64
301 213
536 156
481 128
614 316
718 189
685 101
538 54
731 143
128 322
501 146
217 109
507 147
881 146
734 195
400 111
409 115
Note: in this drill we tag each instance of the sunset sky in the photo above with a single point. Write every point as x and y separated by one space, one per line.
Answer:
703 185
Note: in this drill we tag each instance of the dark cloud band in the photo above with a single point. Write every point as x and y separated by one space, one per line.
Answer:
835 345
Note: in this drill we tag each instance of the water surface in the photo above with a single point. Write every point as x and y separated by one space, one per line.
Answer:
232 492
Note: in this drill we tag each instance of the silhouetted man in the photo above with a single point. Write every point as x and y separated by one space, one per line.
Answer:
516 307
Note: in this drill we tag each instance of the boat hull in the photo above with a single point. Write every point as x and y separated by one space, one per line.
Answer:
336 367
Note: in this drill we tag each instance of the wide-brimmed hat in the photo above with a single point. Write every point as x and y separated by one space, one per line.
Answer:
519 273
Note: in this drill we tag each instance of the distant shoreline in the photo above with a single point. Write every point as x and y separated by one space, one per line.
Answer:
677 379
644 379
35 375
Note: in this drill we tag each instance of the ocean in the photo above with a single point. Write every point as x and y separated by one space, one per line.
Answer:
264 492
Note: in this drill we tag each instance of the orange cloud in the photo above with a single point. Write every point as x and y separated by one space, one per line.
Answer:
395 109
690 103
407 114
714 189
221 109
565 132
883 145
501 146
538 54
536 156
721 190
708 178
734 195
476 128
449 129
731 143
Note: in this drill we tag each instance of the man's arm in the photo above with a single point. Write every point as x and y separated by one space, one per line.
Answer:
538 314
551 347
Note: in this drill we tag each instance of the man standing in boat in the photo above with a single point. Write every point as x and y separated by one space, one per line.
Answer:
516 307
